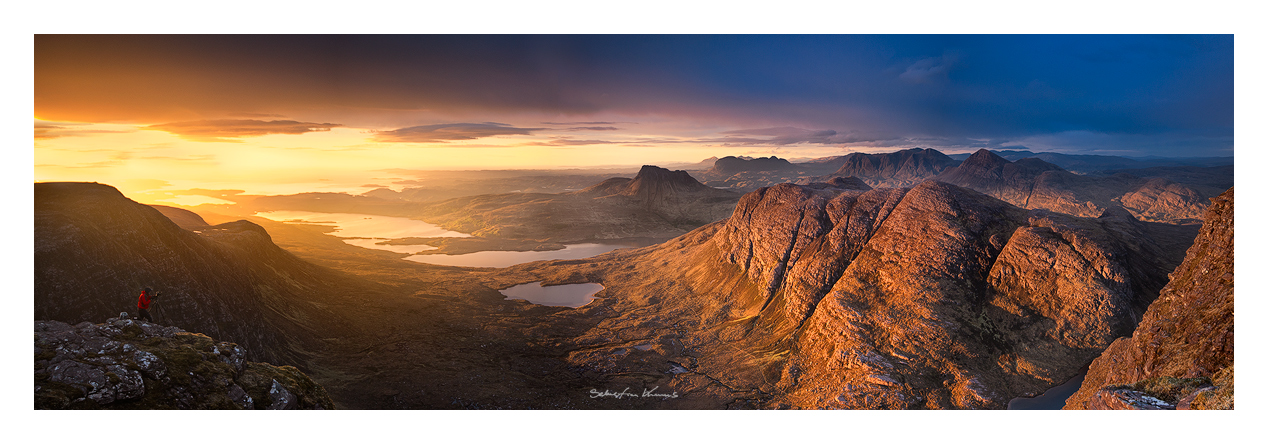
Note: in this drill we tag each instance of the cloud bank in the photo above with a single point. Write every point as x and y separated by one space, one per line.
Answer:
438 133
230 130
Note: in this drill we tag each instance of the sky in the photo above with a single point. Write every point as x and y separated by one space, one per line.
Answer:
288 113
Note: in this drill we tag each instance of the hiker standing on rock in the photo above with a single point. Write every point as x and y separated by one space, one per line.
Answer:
143 304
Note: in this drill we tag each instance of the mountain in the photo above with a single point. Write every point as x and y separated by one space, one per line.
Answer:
932 297
127 364
1035 184
1182 354
895 169
743 174
95 249
657 203
986 172
731 165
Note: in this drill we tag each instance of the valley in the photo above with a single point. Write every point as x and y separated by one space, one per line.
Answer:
920 283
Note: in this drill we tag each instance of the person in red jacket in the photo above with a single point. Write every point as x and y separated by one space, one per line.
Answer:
143 303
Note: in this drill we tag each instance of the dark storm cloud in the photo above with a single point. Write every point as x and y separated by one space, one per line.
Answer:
451 132
937 86
228 130
783 136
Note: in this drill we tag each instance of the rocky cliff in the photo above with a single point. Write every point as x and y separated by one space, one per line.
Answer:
127 364
932 297
1182 353
95 249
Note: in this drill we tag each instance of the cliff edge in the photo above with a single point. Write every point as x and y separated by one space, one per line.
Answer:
1182 355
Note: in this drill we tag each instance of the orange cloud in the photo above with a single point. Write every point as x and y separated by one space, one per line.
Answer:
226 130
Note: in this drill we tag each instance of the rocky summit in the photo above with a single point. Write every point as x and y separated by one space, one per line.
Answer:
1182 354
127 364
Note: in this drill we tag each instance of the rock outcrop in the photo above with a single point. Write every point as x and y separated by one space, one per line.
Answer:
1160 199
127 364
1182 353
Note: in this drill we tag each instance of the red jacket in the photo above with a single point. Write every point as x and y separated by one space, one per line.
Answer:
143 302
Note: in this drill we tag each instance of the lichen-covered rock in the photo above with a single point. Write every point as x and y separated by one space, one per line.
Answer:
282 398
127 364
1186 334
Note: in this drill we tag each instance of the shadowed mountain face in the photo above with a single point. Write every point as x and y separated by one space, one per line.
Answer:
96 249
934 297
1183 352
182 217
850 183
895 169
1035 184
657 203
730 165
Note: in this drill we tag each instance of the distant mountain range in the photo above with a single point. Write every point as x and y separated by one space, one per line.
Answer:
1157 189
657 203
1101 163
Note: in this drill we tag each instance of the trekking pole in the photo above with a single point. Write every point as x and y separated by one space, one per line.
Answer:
155 304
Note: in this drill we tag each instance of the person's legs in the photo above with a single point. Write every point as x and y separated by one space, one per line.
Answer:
142 313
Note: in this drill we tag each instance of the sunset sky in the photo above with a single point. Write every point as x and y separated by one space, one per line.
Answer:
285 114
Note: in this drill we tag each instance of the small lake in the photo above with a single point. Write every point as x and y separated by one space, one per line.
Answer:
575 295
503 259
1052 399
367 230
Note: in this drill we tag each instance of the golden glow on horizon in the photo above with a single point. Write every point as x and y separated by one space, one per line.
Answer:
136 160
